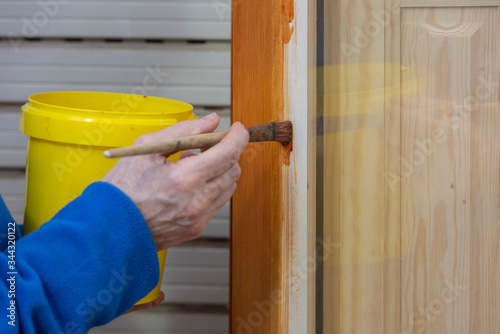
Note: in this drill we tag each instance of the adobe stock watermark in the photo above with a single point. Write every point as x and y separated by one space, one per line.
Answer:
452 119
362 37
419 321
89 309
223 8
95 137
32 25
264 309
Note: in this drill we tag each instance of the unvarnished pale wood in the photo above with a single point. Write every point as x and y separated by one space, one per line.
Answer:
259 242
420 257
392 192
450 171
312 164
300 82
449 3
354 213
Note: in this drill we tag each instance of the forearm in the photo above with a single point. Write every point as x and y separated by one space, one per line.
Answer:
85 267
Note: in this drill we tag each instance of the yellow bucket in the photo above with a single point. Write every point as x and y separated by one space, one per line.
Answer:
68 133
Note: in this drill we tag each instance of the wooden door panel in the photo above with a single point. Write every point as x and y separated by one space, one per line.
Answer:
411 167
449 170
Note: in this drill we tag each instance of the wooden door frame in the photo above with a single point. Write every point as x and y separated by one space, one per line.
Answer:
272 211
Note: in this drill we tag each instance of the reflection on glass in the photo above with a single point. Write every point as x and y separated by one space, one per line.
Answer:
408 168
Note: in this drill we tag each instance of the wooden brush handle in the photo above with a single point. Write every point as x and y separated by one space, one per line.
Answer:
204 140
258 133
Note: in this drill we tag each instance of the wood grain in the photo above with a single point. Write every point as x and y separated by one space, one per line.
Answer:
448 3
259 243
450 188
411 186
354 165
392 191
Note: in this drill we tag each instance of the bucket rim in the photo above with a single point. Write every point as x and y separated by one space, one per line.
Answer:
32 100
66 122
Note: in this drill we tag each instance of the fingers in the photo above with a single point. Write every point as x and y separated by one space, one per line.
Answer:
186 128
211 209
224 197
219 158
221 183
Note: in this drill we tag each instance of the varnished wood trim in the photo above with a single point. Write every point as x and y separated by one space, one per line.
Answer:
259 230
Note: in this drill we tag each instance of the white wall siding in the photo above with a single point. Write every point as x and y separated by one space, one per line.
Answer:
167 321
197 273
116 45
197 74
12 142
179 19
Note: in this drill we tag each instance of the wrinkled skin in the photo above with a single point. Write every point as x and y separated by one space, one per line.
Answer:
178 199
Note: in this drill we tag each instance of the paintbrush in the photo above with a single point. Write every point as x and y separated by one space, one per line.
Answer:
280 131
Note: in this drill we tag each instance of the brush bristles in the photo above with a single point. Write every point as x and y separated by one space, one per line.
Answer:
284 132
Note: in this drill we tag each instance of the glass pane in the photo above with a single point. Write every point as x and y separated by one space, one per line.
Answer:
408 199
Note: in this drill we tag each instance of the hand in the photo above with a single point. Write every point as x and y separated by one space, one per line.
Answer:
178 199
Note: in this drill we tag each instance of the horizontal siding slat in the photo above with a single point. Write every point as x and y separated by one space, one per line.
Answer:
12 182
197 273
134 54
117 19
103 28
12 158
223 212
202 95
16 207
195 294
198 256
187 275
9 117
12 142
116 75
198 75
217 228
12 139
139 9
167 322
105 330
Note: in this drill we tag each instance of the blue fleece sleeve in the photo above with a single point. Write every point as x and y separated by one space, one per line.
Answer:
6 221
89 264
